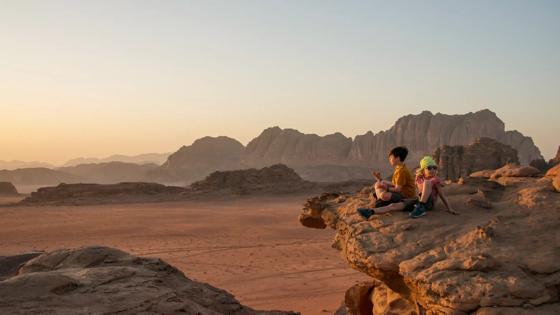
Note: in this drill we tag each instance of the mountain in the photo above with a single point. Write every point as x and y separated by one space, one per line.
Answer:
110 172
196 161
335 157
148 158
38 176
15 164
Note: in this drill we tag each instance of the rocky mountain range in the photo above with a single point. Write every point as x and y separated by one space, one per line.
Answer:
330 158
337 157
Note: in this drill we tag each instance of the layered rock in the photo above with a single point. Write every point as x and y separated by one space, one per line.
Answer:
77 194
499 256
483 154
8 189
102 280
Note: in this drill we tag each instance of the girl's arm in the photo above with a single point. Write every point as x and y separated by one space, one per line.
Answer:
446 202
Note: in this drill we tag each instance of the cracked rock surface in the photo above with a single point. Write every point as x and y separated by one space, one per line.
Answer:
501 255
102 280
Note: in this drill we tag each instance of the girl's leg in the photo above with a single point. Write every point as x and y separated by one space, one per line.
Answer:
426 191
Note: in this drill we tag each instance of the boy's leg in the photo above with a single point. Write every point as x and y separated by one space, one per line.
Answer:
399 206
381 192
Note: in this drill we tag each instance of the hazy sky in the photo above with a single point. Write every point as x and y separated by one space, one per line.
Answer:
94 78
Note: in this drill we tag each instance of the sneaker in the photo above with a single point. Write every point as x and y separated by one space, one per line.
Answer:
366 212
419 210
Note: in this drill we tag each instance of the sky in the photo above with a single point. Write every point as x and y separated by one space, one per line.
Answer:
96 78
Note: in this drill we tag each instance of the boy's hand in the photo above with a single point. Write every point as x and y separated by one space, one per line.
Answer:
376 175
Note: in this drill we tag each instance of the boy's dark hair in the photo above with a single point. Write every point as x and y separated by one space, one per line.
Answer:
400 152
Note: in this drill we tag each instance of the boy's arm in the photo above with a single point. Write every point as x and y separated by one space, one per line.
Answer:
446 202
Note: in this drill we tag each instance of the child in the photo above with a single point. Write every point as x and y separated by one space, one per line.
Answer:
390 195
429 186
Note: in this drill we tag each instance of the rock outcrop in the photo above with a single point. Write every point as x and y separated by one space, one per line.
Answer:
8 189
275 179
499 256
79 194
543 165
483 154
102 280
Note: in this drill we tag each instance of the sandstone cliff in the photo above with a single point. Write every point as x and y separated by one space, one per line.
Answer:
102 280
499 256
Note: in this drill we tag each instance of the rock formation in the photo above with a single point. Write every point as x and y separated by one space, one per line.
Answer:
203 157
78 194
483 154
102 280
335 157
276 179
8 189
543 165
499 256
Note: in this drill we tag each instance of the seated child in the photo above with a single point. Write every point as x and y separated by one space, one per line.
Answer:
429 186
391 196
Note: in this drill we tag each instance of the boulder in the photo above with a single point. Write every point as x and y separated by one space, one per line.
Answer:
103 280
513 170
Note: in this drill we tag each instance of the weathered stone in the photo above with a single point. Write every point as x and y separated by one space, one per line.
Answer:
497 258
482 154
102 280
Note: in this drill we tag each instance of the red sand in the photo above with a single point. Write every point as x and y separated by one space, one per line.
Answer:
254 248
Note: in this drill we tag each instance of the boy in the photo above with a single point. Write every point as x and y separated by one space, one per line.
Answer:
391 196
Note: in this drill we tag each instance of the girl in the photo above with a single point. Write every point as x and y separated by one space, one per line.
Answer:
429 186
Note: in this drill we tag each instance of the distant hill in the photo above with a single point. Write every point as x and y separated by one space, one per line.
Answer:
148 158
38 176
196 161
12 165
110 172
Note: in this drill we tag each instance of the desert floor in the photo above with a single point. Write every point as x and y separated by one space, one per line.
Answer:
254 248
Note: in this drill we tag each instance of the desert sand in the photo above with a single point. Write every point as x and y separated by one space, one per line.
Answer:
253 247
